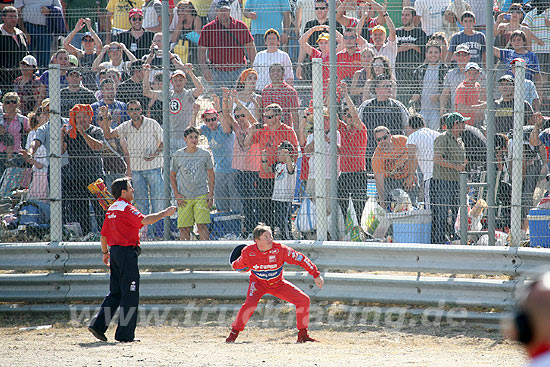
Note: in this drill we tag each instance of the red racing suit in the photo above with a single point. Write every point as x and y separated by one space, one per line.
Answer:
267 278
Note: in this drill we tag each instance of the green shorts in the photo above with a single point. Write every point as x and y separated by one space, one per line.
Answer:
194 211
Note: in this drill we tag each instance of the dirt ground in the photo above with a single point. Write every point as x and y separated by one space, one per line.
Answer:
63 345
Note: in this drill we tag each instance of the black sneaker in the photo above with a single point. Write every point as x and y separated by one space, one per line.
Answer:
97 334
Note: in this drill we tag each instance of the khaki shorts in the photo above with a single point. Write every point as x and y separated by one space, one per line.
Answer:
194 211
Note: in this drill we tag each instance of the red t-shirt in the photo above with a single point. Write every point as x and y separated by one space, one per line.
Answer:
285 96
267 267
468 94
226 46
269 140
347 64
122 224
353 148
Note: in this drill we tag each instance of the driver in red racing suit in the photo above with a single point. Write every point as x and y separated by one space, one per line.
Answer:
265 260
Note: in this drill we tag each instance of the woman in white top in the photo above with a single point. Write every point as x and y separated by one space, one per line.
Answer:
38 188
246 87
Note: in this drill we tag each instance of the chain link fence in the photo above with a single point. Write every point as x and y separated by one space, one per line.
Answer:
394 140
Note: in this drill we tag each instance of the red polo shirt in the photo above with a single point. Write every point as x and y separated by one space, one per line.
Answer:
226 46
347 64
269 140
122 224
353 148
285 96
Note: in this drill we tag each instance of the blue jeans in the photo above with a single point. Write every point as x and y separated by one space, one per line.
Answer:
221 78
149 187
444 197
41 43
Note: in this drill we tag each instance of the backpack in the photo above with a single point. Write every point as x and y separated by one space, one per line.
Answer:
31 215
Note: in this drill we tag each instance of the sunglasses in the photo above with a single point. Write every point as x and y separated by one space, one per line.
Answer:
134 109
320 7
379 64
350 37
382 138
114 49
269 117
240 116
348 115
10 101
136 19
210 119
87 40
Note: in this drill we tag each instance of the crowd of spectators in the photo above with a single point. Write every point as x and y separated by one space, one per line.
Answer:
411 101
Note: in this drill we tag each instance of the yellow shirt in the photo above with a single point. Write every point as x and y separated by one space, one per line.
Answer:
202 7
120 10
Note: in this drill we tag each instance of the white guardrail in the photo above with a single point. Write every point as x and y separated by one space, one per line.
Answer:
177 270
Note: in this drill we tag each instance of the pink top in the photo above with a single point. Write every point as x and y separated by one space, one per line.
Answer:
245 159
15 129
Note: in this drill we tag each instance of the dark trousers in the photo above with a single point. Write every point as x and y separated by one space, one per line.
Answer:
247 182
76 203
444 197
354 183
282 218
264 202
123 293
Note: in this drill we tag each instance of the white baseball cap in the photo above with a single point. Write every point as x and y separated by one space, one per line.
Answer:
29 60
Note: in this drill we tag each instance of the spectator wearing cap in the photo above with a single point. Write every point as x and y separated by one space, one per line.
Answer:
14 47
228 42
504 27
410 51
449 160
469 100
530 91
117 20
114 51
504 107
87 53
116 108
322 51
181 102
518 41
75 92
152 15
27 85
132 88
61 57
456 76
272 55
469 36
428 85
283 94
221 140
93 12
136 39
267 14
235 9
385 45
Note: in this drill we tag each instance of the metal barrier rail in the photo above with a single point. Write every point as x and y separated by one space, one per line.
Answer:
163 256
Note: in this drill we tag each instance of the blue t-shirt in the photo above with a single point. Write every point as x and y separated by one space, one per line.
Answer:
270 15
506 6
475 42
45 79
221 145
530 58
117 109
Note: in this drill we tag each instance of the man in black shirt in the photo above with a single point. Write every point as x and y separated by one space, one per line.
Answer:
132 88
411 43
504 107
75 93
136 39
13 46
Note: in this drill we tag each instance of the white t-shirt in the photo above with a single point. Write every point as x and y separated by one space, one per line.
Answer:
284 184
431 12
325 150
141 143
264 60
424 139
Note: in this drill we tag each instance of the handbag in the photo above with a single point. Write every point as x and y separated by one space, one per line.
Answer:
305 219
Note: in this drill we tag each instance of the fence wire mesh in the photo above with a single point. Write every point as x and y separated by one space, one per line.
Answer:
410 106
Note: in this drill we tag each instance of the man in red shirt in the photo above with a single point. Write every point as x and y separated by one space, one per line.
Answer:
349 60
120 247
265 260
283 94
228 41
469 101
269 137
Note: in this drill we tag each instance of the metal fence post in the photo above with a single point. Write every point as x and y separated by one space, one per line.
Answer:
463 208
56 215
319 157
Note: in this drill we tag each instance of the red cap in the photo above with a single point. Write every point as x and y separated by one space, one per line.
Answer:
517 59
209 111
135 11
